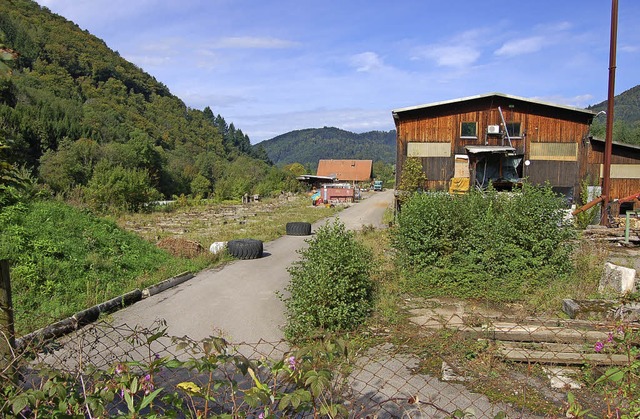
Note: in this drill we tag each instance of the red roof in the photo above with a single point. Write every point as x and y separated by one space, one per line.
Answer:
346 170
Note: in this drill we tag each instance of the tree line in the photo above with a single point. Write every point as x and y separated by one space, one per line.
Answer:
91 126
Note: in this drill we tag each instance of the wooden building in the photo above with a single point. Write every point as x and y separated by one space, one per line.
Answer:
624 174
496 138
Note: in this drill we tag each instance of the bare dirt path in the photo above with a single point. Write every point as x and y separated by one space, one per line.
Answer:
240 301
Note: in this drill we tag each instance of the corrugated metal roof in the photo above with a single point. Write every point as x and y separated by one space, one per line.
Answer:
395 112
349 170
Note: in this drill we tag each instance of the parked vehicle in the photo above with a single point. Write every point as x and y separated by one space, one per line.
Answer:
377 185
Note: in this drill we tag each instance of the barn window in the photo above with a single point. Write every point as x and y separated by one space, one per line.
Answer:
513 128
469 130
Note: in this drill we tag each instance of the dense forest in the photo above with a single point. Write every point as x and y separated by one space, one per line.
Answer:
307 146
626 125
92 126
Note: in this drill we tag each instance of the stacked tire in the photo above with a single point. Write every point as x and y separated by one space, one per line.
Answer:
298 228
245 248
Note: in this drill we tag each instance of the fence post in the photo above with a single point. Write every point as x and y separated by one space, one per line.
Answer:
7 333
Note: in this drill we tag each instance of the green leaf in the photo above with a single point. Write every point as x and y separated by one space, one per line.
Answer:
149 398
613 374
156 336
129 399
174 363
19 403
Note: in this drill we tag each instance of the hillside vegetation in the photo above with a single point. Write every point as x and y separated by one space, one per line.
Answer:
86 121
307 146
626 127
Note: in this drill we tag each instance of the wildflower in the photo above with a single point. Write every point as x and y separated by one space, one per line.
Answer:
610 338
147 385
599 346
120 368
293 363
156 356
261 415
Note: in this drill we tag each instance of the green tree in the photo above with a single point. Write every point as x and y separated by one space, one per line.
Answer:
296 168
118 188
71 165
200 186
412 177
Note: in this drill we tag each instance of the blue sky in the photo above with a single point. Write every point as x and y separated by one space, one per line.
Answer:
271 67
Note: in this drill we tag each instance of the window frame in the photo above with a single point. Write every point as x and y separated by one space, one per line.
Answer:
513 124
469 137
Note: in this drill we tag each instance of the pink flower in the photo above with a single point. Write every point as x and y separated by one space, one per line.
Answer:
120 369
261 415
610 337
599 346
293 364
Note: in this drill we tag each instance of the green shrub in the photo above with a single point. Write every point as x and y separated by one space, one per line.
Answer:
492 245
330 288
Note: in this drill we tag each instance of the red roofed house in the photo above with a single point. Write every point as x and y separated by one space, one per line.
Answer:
347 170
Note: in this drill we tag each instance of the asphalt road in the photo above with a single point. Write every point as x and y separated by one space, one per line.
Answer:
240 300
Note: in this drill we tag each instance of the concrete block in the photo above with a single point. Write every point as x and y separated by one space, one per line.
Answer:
618 279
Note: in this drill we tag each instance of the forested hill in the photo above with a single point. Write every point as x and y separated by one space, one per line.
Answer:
307 146
626 128
626 106
74 112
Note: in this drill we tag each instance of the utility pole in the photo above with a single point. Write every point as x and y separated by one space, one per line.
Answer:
608 143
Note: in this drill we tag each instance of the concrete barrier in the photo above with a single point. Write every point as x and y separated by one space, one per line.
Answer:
166 284
91 314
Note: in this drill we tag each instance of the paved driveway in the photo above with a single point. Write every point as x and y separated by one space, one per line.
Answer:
239 301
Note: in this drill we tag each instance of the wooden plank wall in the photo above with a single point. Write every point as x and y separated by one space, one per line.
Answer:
538 124
620 188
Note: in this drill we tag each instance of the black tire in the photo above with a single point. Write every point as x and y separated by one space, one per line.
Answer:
298 228
245 248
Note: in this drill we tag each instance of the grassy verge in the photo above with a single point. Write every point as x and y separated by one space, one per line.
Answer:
64 259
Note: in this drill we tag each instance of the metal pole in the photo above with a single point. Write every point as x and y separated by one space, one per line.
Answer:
606 167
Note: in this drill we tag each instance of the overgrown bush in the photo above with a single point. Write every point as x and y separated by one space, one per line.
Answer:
484 244
330 288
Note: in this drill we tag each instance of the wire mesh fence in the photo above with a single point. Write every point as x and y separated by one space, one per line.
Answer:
445 364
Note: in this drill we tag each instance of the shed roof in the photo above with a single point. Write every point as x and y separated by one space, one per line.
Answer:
617 143
349 170
398 111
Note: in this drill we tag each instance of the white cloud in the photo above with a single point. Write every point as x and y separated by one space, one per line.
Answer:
366 61
253 42
452 55
521 46
629 48
578 101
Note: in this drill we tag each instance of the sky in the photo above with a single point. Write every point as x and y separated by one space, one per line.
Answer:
270 67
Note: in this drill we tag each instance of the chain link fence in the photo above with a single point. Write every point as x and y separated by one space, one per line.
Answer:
444 363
